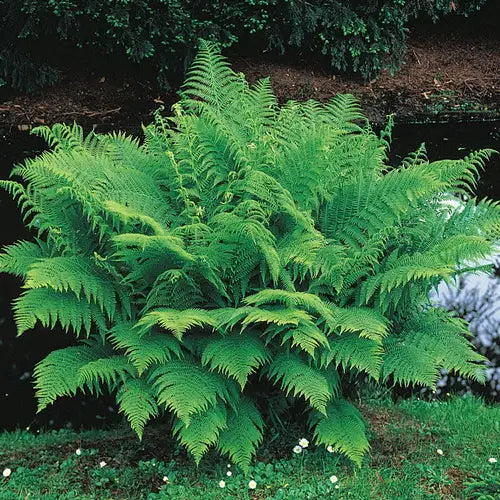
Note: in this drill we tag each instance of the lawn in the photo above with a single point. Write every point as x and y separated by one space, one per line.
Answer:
440 449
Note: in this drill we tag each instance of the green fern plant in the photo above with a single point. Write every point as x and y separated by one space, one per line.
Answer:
244 249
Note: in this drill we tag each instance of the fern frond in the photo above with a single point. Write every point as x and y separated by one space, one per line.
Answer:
18 258
127 214
343 428
368 322
308 301
61 136
443 338
57 374
136 401
178 322
300 379
76 274
278 316
170 246
226 318
343 111
185 388
211 80
461 174
235 355
407 364
50 307
144 350
106 372
352 351
203 430
243 433
306 335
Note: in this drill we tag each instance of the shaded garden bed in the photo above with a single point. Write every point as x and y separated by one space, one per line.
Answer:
445 76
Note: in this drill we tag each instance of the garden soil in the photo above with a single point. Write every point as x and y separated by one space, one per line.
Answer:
444 76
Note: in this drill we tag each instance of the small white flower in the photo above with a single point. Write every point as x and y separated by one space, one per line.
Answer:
333 479
330 448
252 484
165 479
337 486
228 466
229 473
439 451
297 449
78 451
492 460
6 472
102 464
304 443
222 484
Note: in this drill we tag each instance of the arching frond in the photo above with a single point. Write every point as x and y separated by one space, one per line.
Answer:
186 389
136 401
352 351
243 433
300 379
147 349
75 274
50 307
177 322
18 258
235 355
342 428
57 374
105 372
203 430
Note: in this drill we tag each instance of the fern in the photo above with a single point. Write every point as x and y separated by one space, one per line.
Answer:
243 433
178 322
63 308
136 400
57 374
75 274
146 350
186 388
236 355
18 258
244 252
298 378
354 352
342 428
203 430
105 372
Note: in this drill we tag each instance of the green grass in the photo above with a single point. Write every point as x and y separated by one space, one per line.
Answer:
403 463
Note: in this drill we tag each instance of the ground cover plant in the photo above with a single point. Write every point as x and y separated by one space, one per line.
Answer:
405 461
244 262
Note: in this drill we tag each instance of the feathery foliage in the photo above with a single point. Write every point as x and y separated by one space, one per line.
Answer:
244 249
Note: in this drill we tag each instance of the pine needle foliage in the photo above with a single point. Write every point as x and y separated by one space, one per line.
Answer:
244 247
